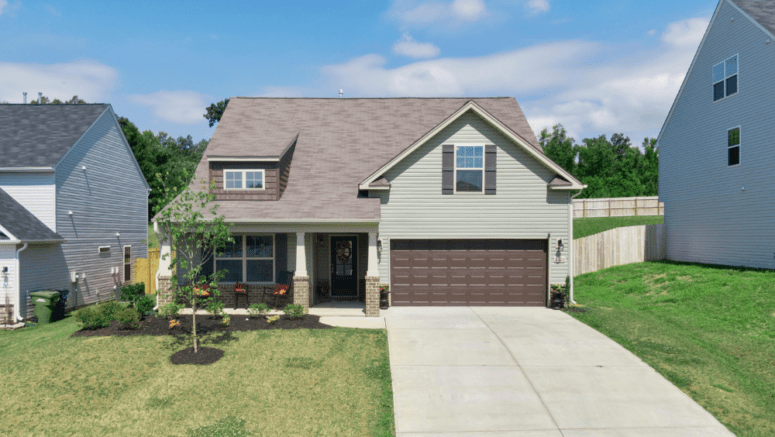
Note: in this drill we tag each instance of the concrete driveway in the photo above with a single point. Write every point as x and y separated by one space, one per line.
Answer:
527 372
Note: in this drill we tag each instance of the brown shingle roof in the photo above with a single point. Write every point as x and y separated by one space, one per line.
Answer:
340 142
763 11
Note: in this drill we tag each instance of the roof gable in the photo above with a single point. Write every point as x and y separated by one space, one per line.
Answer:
760 11
21 223
40 135
471 106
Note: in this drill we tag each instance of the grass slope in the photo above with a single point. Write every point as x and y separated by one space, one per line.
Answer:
333 382
708 329
583 227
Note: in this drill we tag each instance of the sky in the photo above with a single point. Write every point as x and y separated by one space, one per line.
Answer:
596 67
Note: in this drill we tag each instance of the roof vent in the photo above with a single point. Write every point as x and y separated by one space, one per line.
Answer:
40 98
25 97
340 93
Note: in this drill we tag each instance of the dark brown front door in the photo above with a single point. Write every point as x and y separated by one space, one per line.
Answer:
344 266
468 272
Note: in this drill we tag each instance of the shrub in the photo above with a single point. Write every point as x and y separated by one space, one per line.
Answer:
214 307
129 317
145 305
170 310
272 319
226 320
109 309
258 309
132 293
92 317
294 311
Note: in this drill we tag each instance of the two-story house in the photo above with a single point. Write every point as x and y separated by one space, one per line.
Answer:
73 203
717 145
449 201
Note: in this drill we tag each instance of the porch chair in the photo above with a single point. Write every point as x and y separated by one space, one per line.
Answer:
241 289
283 287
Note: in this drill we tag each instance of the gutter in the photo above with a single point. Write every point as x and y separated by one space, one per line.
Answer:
18 284
572 255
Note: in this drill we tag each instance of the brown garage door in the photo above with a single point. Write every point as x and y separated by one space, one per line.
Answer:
468 272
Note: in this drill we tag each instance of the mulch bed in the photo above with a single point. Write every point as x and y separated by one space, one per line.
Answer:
205 324
204 356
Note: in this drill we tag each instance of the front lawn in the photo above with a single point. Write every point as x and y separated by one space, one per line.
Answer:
321 382
583 227
708 329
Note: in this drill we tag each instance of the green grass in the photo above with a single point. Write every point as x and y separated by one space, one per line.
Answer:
333 382
583 227
708 329
153 241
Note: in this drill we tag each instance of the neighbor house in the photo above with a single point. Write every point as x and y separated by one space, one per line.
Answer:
449 201
73 203
717 147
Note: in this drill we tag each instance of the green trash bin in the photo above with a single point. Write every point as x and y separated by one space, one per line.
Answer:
45 302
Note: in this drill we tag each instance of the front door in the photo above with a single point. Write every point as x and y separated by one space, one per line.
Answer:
344 266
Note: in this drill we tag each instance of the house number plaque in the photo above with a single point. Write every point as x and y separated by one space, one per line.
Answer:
559 259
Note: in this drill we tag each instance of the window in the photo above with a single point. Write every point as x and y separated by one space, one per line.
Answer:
250 258
733 146
469 169
725 78
127 263
243 179
103 249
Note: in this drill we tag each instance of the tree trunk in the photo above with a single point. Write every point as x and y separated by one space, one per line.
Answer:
193 318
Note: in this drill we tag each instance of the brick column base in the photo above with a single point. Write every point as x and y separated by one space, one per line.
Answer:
164 293
301 291
372 296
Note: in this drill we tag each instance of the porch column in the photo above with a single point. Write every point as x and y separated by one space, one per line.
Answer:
300 277
372 279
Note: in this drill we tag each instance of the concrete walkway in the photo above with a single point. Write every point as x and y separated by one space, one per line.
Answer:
527 372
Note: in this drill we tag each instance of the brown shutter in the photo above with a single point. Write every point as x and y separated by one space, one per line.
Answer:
490 154
447 169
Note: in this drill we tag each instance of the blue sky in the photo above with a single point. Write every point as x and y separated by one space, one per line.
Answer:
594 66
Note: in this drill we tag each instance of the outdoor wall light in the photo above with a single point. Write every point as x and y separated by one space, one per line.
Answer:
559 244
379 245
321 241
117 234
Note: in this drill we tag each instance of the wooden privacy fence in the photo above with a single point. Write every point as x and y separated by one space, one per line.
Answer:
618 246
617 207
145 270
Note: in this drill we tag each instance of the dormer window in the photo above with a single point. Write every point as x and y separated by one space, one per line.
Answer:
725 78
243 179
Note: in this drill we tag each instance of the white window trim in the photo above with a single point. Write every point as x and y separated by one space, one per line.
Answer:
245 259
100 248
244 185
739 146
124 264
713 83
454 175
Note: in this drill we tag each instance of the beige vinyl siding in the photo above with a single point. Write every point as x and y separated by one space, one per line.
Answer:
523 207
109 197
708 217
34 191
8 259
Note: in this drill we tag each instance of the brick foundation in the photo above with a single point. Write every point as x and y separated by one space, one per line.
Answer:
301 291
372 296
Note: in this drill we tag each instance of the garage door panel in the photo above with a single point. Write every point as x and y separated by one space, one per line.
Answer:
468 272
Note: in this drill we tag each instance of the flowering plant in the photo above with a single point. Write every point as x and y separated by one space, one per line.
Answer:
174 323
272 319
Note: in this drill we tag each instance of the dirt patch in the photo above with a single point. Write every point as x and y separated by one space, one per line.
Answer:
152 325
684 278
204 356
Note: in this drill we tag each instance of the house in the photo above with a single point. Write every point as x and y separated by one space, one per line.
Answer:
73 203
716 145
449 201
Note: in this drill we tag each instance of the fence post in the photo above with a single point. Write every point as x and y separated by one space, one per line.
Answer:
609 207
636 207
583 208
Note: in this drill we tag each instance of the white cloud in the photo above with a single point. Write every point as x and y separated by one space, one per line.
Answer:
589 87
180 107
538 6
454 13
3 4
90 80
407 46
652 32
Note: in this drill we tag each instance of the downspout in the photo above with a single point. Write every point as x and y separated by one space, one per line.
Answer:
18 284
572 254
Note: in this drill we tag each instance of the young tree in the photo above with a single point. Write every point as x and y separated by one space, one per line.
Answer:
191 225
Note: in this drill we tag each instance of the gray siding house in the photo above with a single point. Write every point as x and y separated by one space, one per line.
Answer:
717 145
73 203
447 201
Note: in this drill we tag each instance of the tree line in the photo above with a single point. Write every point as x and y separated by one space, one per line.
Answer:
609 168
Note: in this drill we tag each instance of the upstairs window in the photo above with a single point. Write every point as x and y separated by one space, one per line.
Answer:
725 78
469 169
733 146
243 179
